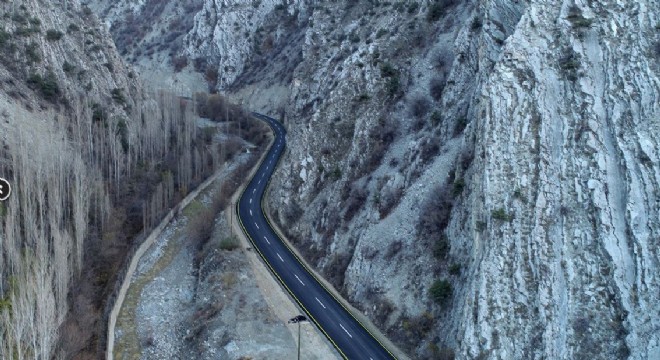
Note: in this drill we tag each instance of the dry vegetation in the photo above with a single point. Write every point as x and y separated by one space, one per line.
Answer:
88 186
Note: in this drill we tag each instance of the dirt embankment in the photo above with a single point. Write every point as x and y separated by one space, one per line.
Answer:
212 298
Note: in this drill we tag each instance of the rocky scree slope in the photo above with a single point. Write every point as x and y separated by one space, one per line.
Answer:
479 177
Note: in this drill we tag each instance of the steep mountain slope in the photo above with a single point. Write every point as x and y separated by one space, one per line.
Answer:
94 160
480 178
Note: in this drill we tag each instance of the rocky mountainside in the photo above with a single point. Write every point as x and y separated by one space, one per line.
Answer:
479 177
94 159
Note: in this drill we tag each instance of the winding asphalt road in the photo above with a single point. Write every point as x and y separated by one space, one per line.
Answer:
350 338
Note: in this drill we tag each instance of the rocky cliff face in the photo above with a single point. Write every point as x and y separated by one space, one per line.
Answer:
565 143
480 178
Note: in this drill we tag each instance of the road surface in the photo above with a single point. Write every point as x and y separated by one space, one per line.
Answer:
349 337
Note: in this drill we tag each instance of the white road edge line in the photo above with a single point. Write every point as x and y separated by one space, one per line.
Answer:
265 238
349 334
278 255
299 279
317 299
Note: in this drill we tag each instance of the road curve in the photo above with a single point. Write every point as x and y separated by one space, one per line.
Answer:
350 338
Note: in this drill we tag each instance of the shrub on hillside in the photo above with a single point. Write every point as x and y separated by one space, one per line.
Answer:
387 70
436 211
68 68
356 200
430 149
437 86
179 63
118 96
54 35
419 106
46 85
502 215
389 199
576 18
211 76
438 9
72 28
229 243
393 86
32 53
441 247
440 291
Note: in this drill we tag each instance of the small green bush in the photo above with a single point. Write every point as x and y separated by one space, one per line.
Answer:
54 35
459 185
72 28
570 64
387 70
501 215
441 247
354 37
118 96
26 31
460 125
335 174
455 269
436 118
437 86
393 86
46 85
229 243
4 37
438 9
68 68
577 19
440 291
19 18
476 24
98 113
419 106
32 53
122 132
362 98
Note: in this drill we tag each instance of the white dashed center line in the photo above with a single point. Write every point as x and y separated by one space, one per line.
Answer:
349 334
255 224
265 238
278 255
299 279
317 299
250 200
251 212
254 190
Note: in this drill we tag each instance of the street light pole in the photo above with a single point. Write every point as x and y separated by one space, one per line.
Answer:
298 340
231 217
298 319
